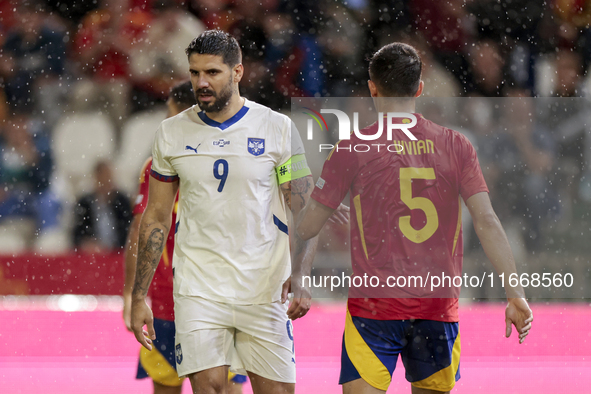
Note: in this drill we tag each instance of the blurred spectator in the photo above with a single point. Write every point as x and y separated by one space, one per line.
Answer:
293 53
102 217
342 62
536 154
33 59
159 62
573 17
25 173
101 46
515 25
383 20
517 154
216 14
439 82
72 11
8 20
487 64
568 120
249 28
569 74
446 28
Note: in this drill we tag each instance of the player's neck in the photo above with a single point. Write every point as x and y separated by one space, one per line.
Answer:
234 105
394 104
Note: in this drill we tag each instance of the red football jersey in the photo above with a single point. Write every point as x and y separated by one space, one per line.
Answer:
161 289
405 215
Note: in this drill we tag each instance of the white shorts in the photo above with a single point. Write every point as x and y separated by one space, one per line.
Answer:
253 338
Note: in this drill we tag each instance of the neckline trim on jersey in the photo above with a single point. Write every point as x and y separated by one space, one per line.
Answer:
227 123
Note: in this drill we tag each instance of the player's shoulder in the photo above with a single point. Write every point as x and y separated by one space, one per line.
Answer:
182 119
266 114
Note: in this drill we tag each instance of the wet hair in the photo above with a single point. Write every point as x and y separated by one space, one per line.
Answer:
216 42
396 70
182 95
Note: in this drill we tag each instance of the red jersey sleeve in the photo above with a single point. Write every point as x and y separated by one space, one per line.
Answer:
471 178
340 168
142 196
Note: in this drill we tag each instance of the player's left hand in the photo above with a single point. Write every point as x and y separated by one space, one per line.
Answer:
520 315
302 298
340 215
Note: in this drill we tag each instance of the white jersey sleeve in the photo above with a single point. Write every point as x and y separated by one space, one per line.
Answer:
161 155
293 143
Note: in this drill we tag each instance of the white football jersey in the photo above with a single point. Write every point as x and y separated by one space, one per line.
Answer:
231 241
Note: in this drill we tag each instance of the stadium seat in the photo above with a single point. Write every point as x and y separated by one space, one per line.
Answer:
136 146
16 235
80 140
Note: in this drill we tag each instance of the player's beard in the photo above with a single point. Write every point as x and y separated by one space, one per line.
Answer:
220 100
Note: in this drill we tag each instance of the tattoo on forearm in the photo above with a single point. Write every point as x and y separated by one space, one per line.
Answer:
303 255
149 253
286 191
300 191
303 251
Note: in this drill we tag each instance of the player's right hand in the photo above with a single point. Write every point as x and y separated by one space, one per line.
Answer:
141 315
520 315
302 299
340 215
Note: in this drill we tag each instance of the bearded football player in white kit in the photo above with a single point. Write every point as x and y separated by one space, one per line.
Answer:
234 162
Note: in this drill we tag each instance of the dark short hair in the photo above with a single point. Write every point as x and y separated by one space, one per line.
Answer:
182 95
396 70
216 42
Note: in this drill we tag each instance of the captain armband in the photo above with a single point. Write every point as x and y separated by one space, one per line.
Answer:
296 167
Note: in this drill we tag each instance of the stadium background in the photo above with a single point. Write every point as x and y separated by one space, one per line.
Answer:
85 82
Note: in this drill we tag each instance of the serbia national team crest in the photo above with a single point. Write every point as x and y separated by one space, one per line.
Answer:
256 146
179 354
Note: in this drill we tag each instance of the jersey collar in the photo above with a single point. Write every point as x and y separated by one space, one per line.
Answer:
227 123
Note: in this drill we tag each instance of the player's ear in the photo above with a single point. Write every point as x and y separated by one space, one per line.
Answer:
373 89
238 71
420 89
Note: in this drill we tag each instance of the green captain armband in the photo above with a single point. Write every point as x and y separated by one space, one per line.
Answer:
296 167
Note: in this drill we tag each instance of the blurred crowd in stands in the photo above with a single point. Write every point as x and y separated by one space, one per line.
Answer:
84 84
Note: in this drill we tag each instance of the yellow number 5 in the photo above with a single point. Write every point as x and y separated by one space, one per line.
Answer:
424 204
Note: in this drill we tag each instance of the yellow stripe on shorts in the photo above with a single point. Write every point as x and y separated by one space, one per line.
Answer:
158 368
369 366
443 380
